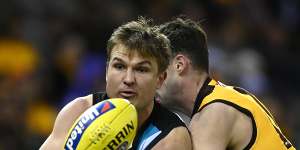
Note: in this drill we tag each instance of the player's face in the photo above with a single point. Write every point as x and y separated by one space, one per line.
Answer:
133 77
170 88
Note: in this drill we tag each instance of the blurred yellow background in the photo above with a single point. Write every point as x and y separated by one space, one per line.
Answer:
53 51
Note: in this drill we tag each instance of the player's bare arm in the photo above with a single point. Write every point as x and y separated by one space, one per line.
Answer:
65 119
218 127
178 139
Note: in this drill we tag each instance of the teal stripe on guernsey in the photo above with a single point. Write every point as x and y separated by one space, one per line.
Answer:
148 136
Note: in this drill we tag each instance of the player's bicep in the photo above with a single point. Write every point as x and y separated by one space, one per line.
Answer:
211 128
178 139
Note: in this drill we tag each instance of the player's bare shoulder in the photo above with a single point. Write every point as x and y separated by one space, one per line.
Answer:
70 113
78 105
216 110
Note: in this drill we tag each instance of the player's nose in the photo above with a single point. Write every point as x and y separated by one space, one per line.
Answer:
129 78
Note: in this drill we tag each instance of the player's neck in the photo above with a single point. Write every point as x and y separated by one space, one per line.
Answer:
193 86
144 114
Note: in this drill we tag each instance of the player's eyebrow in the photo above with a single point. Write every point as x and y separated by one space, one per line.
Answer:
145 62
118 59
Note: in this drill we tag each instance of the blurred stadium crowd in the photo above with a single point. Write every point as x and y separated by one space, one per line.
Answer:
53 51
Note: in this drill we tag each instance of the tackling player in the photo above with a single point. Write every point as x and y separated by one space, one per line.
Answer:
223 117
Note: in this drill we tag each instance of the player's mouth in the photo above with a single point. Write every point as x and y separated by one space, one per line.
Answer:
127 93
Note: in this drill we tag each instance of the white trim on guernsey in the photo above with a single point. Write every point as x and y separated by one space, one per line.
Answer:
147 141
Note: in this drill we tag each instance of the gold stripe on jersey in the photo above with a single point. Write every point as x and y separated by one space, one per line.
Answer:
266 133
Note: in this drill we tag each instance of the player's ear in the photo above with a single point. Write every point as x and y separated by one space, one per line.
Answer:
180 63
161 79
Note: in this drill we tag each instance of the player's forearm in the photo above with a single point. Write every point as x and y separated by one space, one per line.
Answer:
51 143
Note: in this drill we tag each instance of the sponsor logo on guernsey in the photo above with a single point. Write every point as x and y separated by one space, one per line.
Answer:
84 122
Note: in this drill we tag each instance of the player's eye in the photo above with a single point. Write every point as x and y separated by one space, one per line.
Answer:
119 66
142 69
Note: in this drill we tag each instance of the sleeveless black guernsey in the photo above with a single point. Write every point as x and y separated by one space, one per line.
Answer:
156 127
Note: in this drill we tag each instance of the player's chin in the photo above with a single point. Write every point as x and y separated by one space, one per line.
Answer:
134 101
131 99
